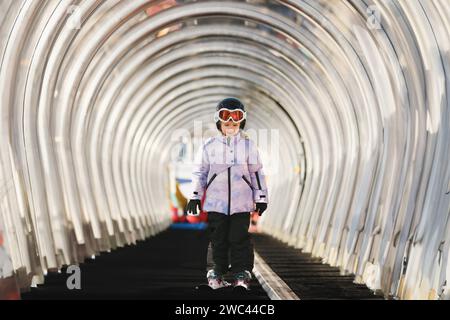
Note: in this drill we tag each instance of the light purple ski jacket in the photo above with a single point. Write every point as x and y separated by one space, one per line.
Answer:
229 170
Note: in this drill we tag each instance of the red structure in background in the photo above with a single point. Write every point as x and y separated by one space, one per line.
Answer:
8 286
9 289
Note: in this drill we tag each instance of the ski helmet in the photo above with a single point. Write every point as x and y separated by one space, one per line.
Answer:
231 104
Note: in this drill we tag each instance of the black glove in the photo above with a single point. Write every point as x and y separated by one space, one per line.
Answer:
192 206
261 207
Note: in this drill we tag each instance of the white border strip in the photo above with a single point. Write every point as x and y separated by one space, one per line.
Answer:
275 287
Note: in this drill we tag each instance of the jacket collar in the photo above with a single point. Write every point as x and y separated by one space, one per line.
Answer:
234 139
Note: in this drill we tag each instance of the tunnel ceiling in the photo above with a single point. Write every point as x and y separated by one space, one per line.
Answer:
357 91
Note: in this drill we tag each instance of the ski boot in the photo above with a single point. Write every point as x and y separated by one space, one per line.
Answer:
242 281
216 281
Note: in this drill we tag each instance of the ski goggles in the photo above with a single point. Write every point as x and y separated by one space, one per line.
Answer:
225 115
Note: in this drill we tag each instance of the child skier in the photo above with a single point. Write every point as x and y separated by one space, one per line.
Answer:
229 170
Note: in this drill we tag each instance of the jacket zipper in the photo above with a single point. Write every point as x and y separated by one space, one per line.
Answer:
229 183
210 180
246 181
229 190
257 179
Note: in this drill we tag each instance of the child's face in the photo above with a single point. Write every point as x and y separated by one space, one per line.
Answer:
230 128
